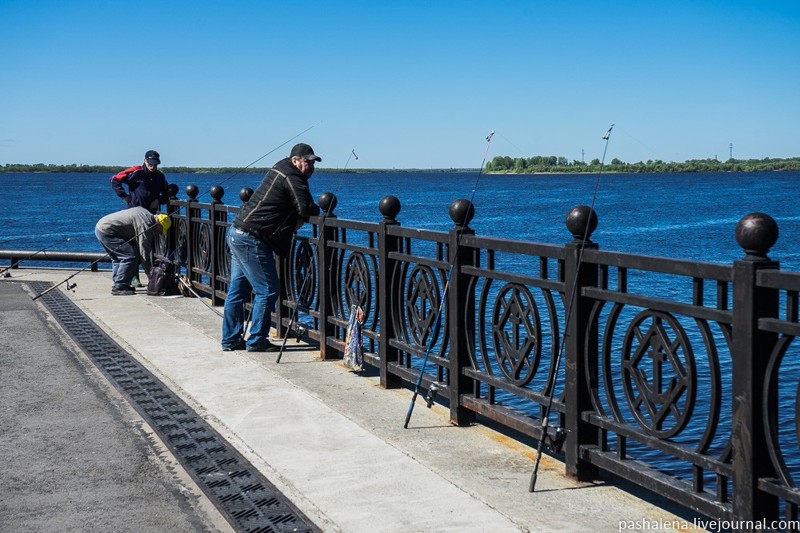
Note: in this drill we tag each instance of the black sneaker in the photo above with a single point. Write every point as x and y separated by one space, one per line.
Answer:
267 348
123 291
238 346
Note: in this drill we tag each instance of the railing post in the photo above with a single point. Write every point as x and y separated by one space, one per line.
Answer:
460 312
282 311
172 234
751 349
580 343
325 256
191 211
215 217
388 290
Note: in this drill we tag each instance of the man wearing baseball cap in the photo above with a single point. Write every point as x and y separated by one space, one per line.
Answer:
263 227
147 186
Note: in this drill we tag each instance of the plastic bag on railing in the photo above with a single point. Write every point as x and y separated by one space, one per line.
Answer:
353 346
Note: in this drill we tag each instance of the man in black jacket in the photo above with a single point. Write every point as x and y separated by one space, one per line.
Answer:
264 226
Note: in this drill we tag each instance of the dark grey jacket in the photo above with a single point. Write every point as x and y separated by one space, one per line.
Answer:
136 225
281 201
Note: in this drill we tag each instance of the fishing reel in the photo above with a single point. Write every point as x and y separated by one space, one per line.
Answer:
556 442
71 286
431 396
299 331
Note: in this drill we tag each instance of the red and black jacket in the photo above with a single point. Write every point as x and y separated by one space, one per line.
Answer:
146 189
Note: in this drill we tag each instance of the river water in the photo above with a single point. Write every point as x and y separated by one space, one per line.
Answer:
688 216
685 216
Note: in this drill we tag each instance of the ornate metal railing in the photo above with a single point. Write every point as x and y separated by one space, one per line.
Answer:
679 376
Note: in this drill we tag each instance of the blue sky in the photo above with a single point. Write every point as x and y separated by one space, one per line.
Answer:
405 84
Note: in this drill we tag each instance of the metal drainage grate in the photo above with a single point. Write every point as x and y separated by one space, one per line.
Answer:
243 495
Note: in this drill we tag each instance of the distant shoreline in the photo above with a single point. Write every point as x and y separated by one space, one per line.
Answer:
608 169
99 169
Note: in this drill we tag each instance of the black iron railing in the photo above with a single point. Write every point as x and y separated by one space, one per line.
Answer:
680 376
677 375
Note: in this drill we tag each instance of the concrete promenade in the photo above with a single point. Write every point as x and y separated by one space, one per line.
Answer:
331 441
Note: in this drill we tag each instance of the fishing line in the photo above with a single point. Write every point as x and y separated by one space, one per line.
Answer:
240 171
174 215
652 152
315 255
519 150
5 273
551 381
29 256
22 237
444 295
202 300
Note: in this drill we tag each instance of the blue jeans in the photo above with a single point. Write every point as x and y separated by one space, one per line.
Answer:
252 269
124 258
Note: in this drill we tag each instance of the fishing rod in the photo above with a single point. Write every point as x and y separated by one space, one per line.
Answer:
102 257
72 286
171 215
307 277
4 272
287 141
202 300
7 274
551 381
434 388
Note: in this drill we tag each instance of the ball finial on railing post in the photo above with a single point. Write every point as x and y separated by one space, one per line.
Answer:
756 233
389 206
217 192
245 194
192 191
461 212
327 203
581 222
172 190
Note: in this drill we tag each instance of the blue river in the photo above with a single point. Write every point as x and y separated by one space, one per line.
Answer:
688 216
684 216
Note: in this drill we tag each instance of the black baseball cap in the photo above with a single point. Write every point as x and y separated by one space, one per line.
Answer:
152 157
305 151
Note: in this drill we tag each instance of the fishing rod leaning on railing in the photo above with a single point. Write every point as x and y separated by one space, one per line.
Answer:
468 213
560 433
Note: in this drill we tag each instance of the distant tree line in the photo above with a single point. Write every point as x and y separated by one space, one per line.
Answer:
521 165
107 169
500 164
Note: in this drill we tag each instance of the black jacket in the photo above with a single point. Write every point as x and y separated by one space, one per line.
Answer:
273 211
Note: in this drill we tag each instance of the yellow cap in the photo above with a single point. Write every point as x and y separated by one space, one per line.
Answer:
164 221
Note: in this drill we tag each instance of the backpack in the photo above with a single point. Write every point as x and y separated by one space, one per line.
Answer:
163 280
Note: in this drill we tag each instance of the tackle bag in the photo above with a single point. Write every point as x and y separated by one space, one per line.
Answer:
163 280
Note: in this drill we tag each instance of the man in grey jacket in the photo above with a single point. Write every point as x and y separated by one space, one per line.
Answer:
128 237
